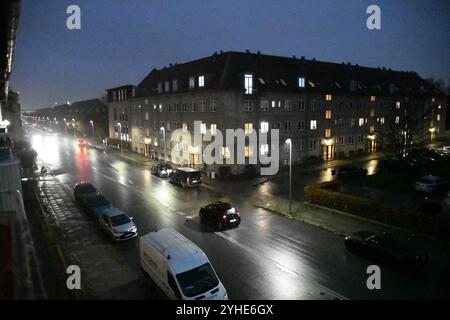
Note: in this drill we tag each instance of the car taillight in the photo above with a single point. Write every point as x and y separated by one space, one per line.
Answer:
224 217
238 214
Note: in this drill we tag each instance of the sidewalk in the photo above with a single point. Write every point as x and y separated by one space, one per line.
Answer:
104 273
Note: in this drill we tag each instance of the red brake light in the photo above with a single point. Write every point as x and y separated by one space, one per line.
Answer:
224 217
237 212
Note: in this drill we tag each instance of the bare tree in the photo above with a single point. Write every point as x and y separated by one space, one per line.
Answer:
405 126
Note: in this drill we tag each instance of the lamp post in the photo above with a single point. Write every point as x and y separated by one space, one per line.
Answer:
289 141
65 125
92 125
74 128
164 142
120 137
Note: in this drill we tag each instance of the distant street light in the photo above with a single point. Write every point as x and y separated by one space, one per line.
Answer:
289 141
120 137
74 128
92 124
164 141
65 125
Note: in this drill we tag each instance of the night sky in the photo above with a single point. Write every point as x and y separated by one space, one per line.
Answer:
121 41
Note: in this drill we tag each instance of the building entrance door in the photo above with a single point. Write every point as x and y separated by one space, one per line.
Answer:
328 152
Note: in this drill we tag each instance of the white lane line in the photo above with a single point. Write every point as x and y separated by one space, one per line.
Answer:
181 213
130 181
279 265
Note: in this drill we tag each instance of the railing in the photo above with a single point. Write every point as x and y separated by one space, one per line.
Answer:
28 282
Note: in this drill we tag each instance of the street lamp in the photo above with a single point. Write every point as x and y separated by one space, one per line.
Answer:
120 137
92 124
289 141
164 139
74 128
65 125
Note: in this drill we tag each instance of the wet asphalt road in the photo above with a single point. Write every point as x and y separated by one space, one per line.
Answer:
266 257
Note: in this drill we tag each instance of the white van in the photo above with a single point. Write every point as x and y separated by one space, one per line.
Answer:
178 267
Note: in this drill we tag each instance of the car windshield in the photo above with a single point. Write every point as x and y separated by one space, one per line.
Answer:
120 219
425 180
86 188
198 280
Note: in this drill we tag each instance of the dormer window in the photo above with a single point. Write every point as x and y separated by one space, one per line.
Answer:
191 83
201 81
328 97
248 83
301 82
352 85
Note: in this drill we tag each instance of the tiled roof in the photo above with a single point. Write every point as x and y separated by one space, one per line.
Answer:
226 71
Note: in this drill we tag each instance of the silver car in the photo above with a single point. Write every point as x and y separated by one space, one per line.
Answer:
118 225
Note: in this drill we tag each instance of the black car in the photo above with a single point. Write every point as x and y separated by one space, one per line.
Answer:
220 215
162 169
186 177
387 248
351 172
95 204
83 189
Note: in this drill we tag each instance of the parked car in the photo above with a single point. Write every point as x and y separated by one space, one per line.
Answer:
118 225
431 184
185 177
83 189
95 204
162 170
220 215
178 267
387 248
82 143
351 172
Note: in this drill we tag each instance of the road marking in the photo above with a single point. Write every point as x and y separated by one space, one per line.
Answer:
181 213
279 265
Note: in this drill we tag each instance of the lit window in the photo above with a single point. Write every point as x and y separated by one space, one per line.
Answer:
438 117
397 119
264 127
248 82
225 152
372 113
146 116
373 98
203 128
313 125
185 126
397 104
213 129
160 107
328 97
433 99
274 104
328 133
372 129
264 149
301 82
248 151
201 81
191 82
361 122
328 114
248 128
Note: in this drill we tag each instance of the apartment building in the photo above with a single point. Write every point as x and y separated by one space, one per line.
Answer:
328 110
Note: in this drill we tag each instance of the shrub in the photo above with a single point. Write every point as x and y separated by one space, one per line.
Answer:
325 194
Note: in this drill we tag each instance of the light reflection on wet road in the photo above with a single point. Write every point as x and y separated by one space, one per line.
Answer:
266 257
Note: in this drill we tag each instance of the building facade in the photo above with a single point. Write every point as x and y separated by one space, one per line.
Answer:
327 110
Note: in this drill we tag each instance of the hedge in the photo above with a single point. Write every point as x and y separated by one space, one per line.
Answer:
324 194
